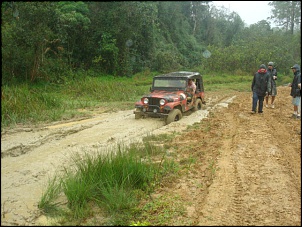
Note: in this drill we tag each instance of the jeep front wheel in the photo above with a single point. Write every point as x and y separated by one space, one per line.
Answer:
137 114
174 115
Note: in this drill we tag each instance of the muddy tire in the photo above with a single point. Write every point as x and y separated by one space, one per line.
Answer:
198 105
174 115
138 114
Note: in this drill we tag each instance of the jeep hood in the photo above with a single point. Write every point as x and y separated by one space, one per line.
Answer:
168 95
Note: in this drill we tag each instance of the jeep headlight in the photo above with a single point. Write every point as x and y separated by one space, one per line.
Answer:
146 100
182 96
162 102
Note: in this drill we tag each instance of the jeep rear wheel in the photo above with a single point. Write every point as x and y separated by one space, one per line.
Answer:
197 105
174 115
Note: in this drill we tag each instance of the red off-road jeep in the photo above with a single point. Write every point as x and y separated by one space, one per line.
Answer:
169 99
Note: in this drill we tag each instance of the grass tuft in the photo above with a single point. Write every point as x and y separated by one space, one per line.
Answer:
115 181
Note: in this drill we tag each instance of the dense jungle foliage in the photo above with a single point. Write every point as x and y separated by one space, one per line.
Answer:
48 41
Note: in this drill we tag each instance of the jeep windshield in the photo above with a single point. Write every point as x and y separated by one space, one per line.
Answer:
169 83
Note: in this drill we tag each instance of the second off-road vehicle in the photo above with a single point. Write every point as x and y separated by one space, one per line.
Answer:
169 97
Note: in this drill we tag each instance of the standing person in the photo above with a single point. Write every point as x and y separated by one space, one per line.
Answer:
260 86
299 109
295 91
272 80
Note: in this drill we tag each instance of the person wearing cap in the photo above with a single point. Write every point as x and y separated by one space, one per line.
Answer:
260 87
295 91
272 80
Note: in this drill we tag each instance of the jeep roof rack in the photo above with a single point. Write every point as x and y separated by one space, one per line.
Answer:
189 75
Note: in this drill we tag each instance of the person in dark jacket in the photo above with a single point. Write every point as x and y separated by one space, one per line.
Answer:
272 80
260 87
295 91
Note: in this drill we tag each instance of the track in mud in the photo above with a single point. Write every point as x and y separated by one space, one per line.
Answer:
247 168
30 156
261 187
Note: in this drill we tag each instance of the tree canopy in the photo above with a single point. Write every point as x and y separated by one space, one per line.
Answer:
44 40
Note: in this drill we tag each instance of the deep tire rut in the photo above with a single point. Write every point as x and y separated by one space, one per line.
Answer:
259 169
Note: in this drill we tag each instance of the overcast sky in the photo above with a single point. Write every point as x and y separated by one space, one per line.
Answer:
250 12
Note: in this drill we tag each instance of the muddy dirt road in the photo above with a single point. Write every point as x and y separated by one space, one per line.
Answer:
256 179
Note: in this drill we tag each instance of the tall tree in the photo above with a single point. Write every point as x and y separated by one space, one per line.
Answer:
25 27
124 35
222 26
287 14
72 25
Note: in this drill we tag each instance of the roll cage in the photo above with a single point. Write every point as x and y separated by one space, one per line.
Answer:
177 81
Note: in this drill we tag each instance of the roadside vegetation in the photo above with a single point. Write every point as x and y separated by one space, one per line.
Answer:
48 102
108 185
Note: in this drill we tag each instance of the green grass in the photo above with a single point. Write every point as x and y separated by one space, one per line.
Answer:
113 181
165 208
38 103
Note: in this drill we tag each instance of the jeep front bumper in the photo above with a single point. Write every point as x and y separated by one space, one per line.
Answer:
152 110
